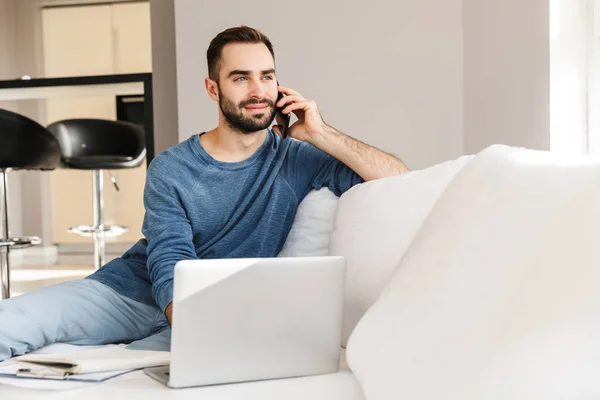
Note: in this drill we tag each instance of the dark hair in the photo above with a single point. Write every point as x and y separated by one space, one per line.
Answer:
240 34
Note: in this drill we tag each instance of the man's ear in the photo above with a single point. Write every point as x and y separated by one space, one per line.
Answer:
212 88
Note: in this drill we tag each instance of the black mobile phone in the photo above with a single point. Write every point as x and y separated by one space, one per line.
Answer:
283 120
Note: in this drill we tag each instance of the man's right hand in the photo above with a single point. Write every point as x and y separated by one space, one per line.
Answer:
169 313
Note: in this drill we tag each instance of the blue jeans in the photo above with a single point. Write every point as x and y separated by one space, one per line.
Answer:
84 312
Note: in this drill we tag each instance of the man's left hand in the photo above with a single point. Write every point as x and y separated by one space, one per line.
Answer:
169 313
310 124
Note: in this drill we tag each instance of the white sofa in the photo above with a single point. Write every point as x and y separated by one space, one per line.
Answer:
472 279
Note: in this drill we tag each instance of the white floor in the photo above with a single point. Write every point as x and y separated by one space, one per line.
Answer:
31 268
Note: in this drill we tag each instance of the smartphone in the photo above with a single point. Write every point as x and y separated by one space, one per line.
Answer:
283 120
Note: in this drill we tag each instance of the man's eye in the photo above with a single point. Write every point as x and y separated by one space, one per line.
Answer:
240 79
268 77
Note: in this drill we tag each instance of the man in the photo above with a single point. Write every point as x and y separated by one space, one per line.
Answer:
230 192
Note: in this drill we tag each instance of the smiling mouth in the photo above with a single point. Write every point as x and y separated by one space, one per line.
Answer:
257 109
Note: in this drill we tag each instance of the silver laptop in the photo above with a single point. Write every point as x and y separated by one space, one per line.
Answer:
240 320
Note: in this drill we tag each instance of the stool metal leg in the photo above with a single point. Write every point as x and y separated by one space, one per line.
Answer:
99 246
4 249
98 231
6 242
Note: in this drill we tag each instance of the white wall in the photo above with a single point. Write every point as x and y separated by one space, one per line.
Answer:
506 73
389 74
568 76
593 36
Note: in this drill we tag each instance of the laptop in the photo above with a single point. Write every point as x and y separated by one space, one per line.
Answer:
242 320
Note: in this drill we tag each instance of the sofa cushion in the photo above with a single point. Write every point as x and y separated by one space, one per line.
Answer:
338 386
374 225
497 297
312 225
136 385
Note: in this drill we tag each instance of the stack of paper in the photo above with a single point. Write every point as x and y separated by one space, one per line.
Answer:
95 365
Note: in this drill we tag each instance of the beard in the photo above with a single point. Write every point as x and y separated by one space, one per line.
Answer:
238 121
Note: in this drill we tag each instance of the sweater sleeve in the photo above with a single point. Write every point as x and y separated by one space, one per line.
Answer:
311 168
166 227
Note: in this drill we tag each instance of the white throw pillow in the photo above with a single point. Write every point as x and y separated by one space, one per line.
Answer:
312 225
375 223
497 297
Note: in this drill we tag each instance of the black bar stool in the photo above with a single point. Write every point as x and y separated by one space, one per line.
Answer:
98 145
24 144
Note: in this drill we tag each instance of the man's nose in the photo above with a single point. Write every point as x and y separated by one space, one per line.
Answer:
257 89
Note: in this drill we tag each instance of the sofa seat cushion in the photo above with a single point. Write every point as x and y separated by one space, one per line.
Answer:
338 386
136 385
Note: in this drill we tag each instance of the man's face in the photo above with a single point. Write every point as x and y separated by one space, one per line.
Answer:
247 87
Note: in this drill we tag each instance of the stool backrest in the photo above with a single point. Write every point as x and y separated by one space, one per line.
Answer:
101 139
25 144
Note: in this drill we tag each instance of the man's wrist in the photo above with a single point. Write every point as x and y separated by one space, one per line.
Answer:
325 137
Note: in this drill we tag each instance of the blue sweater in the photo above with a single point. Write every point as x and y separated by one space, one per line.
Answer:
201 208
